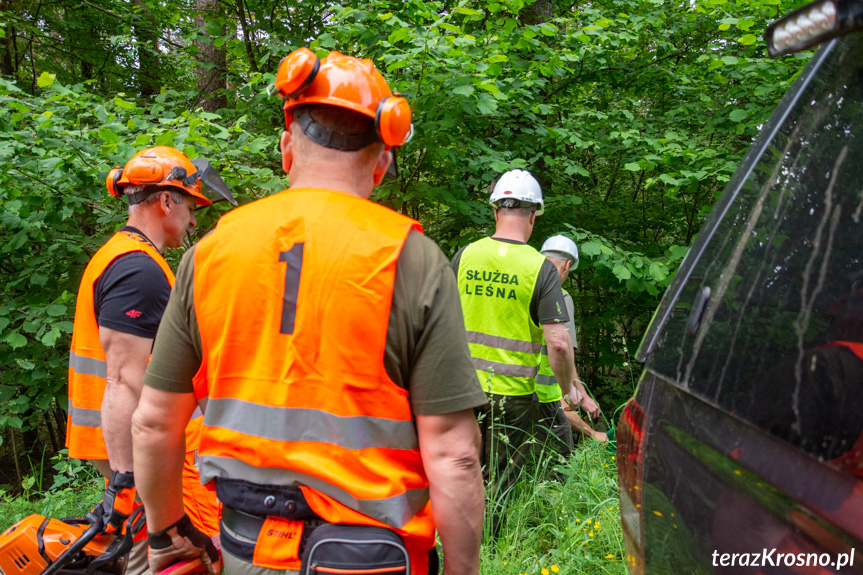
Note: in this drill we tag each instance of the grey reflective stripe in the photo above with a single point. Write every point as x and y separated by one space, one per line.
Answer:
544 349
394 511
304 424
498 368
542 379
85 417
197 413
502 342
87 365
202 404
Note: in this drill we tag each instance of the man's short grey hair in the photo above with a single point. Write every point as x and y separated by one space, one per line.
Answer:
152 198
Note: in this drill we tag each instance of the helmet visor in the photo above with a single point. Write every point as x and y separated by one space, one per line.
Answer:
211 178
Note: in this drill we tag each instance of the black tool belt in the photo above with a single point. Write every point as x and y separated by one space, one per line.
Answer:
247 527
255 499
246 506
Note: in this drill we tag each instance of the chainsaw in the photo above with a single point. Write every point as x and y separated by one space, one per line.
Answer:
39 545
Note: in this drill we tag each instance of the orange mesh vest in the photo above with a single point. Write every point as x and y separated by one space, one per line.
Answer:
87 366
292 296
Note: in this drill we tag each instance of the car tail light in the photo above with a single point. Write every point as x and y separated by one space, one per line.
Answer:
630 469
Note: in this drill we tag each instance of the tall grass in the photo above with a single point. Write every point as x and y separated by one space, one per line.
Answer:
560 518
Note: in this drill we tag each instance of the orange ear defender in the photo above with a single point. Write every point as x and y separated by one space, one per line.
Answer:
393 120
346 82
296 71
111 181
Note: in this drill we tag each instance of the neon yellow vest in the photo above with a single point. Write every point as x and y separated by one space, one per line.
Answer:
547 389
496 281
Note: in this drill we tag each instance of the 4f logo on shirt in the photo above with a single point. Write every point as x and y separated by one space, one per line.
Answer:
134 314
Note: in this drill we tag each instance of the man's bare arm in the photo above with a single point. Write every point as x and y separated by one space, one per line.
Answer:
127 356
158 432
560 357
581 426
587 403
449 445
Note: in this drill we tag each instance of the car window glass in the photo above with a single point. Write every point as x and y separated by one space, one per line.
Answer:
780 342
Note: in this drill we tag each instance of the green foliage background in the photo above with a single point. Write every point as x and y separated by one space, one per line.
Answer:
632 113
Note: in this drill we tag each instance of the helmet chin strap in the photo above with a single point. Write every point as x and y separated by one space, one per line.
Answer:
330 138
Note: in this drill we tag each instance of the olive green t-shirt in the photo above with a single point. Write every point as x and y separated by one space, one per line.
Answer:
426 347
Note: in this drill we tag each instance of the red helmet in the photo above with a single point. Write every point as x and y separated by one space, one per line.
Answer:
346 82
164 167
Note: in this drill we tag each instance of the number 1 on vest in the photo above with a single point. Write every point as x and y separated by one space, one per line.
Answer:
294 260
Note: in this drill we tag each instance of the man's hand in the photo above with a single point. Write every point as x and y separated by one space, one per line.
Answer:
573 397
117 503
590 406
180 542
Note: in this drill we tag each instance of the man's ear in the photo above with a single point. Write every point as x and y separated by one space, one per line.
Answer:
287 148
165 202
385 158
532 218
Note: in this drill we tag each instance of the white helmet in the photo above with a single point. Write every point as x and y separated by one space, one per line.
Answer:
517 185
561 247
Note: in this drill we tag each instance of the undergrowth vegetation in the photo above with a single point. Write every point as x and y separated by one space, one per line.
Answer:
75 490
561 518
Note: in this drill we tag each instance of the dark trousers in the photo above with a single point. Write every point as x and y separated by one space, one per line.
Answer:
505 429
553 432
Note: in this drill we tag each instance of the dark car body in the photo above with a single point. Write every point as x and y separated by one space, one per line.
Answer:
744 436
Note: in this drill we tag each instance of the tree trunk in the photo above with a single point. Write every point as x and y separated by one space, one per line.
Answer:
7 54
247 37
538 12
149 65
211 76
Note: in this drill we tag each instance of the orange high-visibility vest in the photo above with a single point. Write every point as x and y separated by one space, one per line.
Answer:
292 297
87 366
87 378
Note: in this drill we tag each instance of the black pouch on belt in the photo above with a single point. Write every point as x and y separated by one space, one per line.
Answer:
348 549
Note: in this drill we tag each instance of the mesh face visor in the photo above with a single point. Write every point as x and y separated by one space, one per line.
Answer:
211 178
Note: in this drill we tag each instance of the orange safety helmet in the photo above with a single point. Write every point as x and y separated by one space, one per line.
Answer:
166 167
346 82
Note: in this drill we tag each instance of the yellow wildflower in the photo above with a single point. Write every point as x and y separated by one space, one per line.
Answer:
544 571
555 568
609 556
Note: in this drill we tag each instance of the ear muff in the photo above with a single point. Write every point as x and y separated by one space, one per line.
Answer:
111 182
143 172
296 71
393 120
